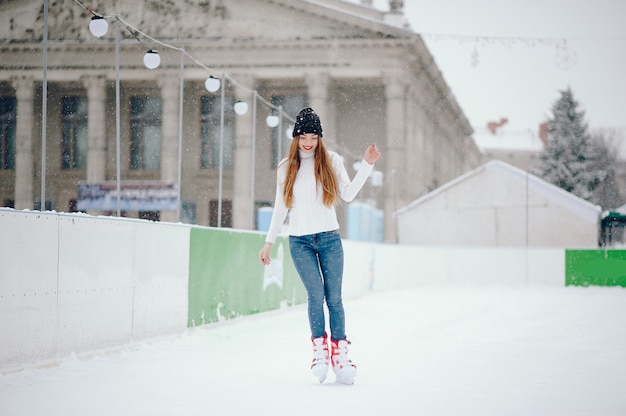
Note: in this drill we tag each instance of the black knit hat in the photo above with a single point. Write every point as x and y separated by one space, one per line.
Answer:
307 122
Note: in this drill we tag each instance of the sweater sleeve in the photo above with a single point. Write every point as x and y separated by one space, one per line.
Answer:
280 209
348 190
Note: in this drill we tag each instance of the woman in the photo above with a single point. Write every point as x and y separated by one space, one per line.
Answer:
309 183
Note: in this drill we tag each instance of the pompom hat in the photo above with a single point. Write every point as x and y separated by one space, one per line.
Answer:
307 122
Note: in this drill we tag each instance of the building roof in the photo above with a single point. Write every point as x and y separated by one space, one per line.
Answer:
507 139
567 200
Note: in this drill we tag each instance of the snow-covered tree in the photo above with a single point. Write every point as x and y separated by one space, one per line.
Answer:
569 159
608 194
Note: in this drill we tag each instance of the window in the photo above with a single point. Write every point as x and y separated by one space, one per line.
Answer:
227 213
210 132
7 132
292 104
73 206
188 213
48 205
150 215
74 136
145 132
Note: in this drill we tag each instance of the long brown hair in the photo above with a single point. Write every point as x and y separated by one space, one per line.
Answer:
324 173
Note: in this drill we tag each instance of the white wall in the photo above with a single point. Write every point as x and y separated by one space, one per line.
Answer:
498 205
73 283
393 267
76 283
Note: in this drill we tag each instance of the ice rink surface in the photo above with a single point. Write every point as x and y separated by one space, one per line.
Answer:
425 351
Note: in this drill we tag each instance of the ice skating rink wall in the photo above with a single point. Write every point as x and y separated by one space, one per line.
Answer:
74 283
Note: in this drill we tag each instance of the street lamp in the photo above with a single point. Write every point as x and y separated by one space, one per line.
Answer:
98 26
151 59
212 84
241 107
272 120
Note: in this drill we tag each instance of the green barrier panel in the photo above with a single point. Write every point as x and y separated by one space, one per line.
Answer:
595 267
226 279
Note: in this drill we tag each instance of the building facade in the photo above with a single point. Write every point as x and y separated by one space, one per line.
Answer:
368 75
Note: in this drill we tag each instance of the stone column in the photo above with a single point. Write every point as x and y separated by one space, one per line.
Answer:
417 133
170 85
395 94
24 162
96 128
318 100
243 205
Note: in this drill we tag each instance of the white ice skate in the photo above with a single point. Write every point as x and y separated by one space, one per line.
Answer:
319 366
343 367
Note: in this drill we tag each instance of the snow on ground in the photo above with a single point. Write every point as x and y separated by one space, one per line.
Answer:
425 351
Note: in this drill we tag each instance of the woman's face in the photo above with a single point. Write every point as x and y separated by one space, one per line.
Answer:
308 142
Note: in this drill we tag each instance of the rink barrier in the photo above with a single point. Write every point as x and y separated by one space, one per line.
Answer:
595 268
227 280
77 283
74 283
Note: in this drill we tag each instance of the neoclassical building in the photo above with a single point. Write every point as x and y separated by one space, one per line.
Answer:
109 119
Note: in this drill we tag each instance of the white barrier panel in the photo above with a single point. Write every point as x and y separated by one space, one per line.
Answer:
76 283
28 285
161 270
96 257
389 267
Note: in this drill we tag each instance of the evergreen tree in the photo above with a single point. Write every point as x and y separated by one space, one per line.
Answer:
569 158
607 194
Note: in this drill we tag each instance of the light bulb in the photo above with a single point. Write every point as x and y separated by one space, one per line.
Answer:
98 26
241 107
272 121
377 178
212 84
151 59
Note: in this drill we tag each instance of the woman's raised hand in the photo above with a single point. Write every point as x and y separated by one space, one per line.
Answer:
371 154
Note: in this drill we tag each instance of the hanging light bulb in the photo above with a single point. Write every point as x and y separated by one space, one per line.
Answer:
98 26
272 120
151 59
241 107
377 178
212 84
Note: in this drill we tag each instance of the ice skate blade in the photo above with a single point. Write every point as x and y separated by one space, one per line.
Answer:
345 380
345 375
320 371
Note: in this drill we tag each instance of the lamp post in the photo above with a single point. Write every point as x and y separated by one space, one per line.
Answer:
253 164
221 155
99 27
180 132
280 131
44 108
117 115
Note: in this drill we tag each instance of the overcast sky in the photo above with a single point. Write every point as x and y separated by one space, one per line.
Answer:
495 71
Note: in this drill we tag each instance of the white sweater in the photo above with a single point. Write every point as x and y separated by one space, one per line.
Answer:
308 214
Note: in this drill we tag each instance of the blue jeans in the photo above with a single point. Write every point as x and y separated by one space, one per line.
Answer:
319 261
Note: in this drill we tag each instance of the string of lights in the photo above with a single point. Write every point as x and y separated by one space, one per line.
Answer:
565 56
213 82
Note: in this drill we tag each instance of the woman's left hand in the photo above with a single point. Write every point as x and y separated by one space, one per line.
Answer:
371 154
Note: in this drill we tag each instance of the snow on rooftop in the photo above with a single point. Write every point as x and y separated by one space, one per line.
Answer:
506 138
584 209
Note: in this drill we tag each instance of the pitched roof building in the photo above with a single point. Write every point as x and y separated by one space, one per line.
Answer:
366 73
499 205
